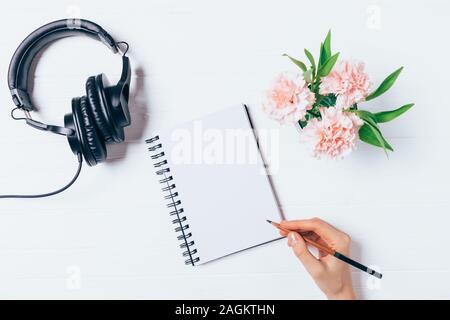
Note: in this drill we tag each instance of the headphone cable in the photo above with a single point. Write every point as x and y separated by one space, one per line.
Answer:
44 195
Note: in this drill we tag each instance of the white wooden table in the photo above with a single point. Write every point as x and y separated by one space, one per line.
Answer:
110 236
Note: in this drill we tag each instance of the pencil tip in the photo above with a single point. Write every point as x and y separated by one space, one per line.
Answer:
269 221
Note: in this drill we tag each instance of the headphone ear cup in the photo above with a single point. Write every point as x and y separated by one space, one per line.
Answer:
99 113
101 84
92 146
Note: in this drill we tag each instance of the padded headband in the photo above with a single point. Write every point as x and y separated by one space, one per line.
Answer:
22 59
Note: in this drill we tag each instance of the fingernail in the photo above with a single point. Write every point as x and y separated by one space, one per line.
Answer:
293 239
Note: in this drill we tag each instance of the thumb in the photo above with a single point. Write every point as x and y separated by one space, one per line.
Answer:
298 245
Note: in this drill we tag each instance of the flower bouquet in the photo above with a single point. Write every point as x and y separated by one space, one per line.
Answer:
324 99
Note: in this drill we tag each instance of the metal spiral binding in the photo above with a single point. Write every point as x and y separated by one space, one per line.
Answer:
169 187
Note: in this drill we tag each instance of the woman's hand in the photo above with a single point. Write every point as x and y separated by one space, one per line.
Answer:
330 274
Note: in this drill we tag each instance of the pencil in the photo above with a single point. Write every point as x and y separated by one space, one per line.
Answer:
332 252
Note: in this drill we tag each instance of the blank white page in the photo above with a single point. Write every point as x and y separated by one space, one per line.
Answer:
222 183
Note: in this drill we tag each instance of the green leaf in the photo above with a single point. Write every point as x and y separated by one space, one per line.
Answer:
328 65
302 124
372 135
325 50
327 45
326 101
322 57
308 75
367 116
313 113
386 116
310 58
300 64
385 85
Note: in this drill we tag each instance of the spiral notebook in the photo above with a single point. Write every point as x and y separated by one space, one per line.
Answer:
214 181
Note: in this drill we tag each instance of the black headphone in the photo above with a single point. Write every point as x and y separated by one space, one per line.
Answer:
97 118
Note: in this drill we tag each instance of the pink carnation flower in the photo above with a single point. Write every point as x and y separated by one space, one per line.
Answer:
289 99
335 135
348 81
